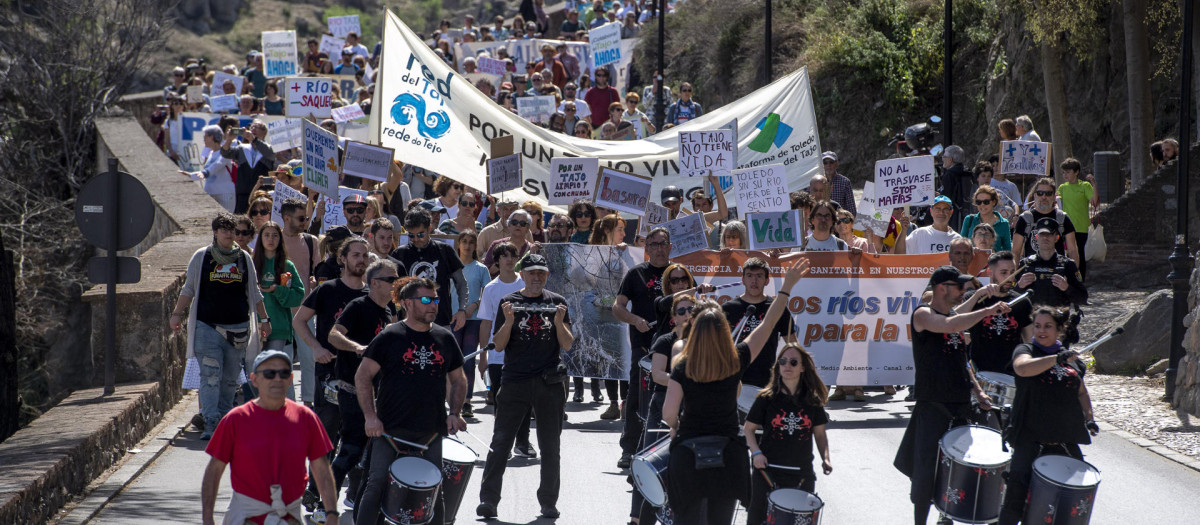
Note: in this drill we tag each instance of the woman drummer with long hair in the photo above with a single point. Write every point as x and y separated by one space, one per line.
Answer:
791 413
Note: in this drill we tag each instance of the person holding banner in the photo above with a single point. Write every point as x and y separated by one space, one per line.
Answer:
936 237
821 238
706 376
944 383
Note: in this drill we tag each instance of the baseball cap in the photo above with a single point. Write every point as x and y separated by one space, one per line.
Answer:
518 78
433 206
347 51
948 274
271 354
353 198
1046 224
531 262
671 194
829 155
943 199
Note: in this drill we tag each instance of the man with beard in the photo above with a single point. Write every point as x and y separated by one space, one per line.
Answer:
354 209
560 228
822 239
1044 206
360 321
434 260
381 236
993 339
419 368
326 303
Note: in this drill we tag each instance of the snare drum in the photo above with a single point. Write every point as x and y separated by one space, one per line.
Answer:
969 484
645 387
458 461
1002 387
794 506
412 490
745 401
1062 491
650 471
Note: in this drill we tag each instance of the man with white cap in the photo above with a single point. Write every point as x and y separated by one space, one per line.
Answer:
266 442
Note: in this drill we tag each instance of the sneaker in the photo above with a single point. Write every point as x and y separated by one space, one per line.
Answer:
198 422
310 500
548 511
207 435
485 510
578 397
859 396
318 516
525 450
613 412
889 390
838 395
625 461
598 398
347 503
467 411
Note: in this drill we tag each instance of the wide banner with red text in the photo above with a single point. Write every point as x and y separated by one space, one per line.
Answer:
852 313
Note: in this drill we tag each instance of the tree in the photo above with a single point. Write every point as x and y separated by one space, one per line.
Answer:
1137 79
1056 104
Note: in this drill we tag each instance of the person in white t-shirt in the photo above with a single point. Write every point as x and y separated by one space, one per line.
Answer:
936 237
491 363
821 238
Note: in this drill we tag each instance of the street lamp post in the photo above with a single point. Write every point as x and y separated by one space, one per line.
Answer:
768 69
948 75
1181 257
660 103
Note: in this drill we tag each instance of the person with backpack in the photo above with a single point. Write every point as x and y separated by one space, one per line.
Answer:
221 297
1044 206
821 237
301 249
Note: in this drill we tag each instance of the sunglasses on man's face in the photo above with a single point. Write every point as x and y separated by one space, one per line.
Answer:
685 91
259 211
243 233
515 222
271 373
356 210
418 235
389 279
1044 193
427 300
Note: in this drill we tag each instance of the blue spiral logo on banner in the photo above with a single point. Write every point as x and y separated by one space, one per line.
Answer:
409 107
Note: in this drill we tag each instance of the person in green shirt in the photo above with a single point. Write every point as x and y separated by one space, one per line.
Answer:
986 199
281 286
1076 196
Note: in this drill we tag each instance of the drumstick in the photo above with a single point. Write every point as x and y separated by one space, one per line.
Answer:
770 482
477 440
490 346
1014 274
750 312
409 443
1013 303
784 467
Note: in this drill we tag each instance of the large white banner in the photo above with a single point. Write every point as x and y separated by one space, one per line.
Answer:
434 119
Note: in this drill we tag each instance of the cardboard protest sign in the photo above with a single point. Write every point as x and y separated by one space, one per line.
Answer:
504 173
762 189
777 229
688 234
279 53
1024 157
320 159
537 109
283 192
333 208
223 103
702 151
346 113
346 84
606 44
906 181
869 216
285 133
622 191
355 130
490 66
572 178
309 96
656 215
332 46
220 78
366 161
195 94
341 26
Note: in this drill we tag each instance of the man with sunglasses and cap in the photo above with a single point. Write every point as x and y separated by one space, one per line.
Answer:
354 209
437 261
1025 240
936 237
1052 277
418 367
943 385
266 442
533 331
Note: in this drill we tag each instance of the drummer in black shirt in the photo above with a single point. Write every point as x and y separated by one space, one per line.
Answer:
756 274
944 383
535 331
993 339
359 322
435 260
1052 411
414 360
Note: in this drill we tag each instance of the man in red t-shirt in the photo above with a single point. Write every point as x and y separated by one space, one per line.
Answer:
266 442
600 97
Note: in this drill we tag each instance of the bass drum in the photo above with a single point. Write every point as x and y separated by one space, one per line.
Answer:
413 485
794 506
1062 491
650 471
458 461
969 484
645 387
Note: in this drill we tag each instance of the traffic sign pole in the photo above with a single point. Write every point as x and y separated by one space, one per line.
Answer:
110 294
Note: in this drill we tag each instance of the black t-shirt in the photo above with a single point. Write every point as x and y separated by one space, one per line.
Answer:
363 320
327 300
1025 228
994 337
412 376
533 342
641 285
662 345
759 372
941 365
662 312
327 269
787 426
437 261
222 291
1046 407
709 409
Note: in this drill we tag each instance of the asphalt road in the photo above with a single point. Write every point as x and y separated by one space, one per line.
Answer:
1138 487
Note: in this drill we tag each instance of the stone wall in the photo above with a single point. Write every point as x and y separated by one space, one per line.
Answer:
1187 379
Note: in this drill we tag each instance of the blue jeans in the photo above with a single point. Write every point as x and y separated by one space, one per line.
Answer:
468 341
308 365
220 363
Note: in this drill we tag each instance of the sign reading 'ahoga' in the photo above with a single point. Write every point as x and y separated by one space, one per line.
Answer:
436 119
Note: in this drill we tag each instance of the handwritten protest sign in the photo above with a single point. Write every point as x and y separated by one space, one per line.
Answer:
332 47
220 78
776 229
341 26
606 44
309 96
656 215
195 94
366 161
536 109
279 53
223 103
490 66
320 159
622 191
687 234
346 84
504 173
572 178
346 113
701 151
1024 157
904 182
762 189
333 208
285 133
870 217
283 192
